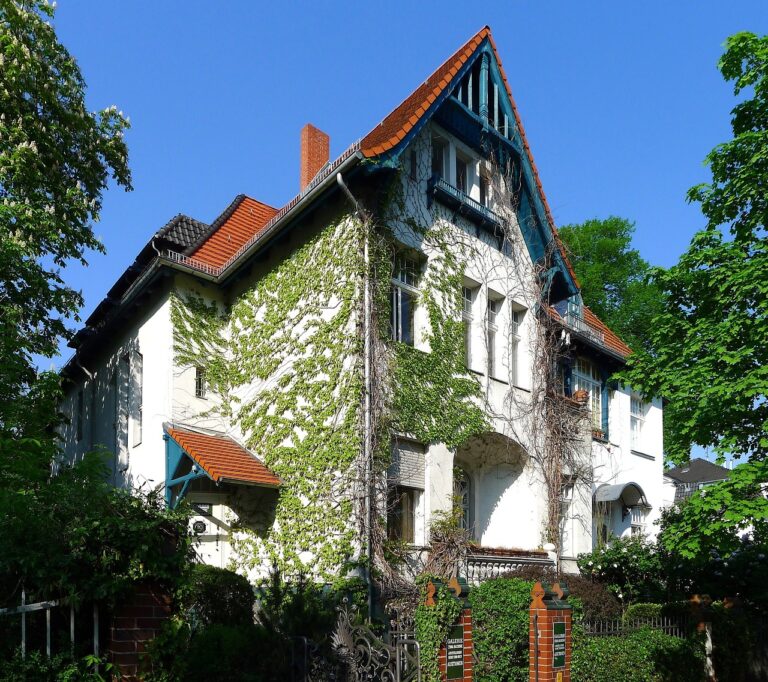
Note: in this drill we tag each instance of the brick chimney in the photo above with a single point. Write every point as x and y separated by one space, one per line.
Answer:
315 152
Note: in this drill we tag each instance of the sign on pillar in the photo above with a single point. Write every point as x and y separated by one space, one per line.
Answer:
456 654
550 618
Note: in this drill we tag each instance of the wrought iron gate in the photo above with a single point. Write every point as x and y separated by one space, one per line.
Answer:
362 655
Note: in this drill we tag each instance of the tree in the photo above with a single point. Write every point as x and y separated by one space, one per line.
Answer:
710 355
56 159
613 276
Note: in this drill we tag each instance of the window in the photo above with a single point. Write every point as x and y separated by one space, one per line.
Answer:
406 485
586 377
494 308
638 521
439 156
462 174
79 418
484 190
403 299
637 410
566 517
515 319
401 513
136 408
201 385
467 298
462 496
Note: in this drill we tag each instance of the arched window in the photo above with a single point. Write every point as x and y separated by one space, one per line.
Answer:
462 493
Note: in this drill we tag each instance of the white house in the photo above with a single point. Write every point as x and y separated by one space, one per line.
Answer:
404 337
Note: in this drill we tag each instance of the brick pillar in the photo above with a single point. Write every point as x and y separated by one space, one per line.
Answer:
549 639
455 657
134 624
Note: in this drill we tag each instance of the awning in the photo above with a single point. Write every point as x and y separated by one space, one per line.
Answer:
630 494
194 454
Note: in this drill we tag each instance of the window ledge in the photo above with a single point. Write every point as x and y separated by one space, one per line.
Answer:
522 388
499 381
644 455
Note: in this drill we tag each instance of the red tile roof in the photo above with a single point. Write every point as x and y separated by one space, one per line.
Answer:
222 458
611 339
244 218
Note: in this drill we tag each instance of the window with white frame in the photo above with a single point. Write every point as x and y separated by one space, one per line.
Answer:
463 173
587 377
491 329
637 516
637 411
405 477
403 298
468 294
484 190
566 517
439 157
515 320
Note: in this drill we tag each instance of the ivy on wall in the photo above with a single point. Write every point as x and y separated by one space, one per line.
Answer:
285 361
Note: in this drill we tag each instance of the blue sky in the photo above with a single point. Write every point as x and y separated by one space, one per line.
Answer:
620 101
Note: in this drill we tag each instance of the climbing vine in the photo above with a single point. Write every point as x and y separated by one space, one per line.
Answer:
284 361
432 625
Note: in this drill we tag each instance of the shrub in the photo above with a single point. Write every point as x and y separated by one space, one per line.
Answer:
643 656
636 611
589 598
500 618
432 624
629 567
216 596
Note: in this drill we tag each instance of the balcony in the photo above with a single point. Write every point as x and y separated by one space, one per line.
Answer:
462 203
484 563
578 324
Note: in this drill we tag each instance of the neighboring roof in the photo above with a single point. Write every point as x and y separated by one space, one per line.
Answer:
183 231
698 470
222 458
631 494
242 219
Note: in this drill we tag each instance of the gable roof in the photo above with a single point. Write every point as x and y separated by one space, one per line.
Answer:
698 470
222 458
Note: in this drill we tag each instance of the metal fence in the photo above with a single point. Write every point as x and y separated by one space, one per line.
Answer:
676 627
24 610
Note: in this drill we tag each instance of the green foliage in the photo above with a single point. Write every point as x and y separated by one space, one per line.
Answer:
37 667
56 158
75 536
641 610
432 625
706 543
710 358
216 595
643 656
244 650
589 599
630 567
612 276
500 619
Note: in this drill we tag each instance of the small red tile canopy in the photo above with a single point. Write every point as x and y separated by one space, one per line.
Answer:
222 458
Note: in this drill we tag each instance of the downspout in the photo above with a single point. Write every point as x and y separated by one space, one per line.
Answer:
367 425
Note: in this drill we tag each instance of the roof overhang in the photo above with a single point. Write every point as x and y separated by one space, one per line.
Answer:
629 494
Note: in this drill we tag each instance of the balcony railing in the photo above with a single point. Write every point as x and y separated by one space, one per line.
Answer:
484 563
580 325
464 204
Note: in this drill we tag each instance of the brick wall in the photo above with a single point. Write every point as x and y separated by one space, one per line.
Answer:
542 622
134 624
